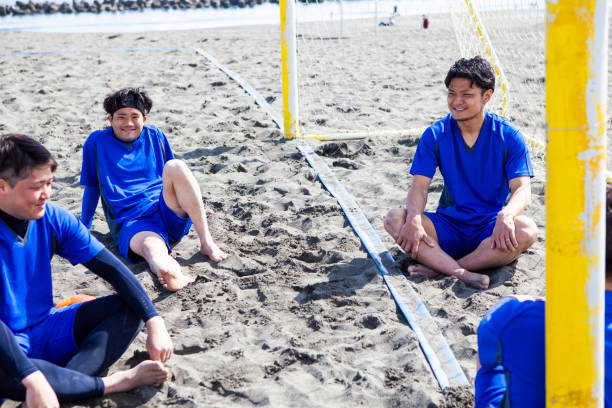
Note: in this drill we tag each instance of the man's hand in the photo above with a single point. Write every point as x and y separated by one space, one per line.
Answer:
504 236
39 393
159 344
411 234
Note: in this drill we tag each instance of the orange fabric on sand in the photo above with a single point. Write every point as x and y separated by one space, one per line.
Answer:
71 300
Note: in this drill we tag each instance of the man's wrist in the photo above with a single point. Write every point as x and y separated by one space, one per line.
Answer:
411 213
32 379
156 322
503 214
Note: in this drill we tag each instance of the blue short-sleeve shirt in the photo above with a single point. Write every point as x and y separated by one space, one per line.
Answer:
511 348
26 293
128 175
475 178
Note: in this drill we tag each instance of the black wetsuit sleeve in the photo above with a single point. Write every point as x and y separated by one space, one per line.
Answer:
13 361
111 269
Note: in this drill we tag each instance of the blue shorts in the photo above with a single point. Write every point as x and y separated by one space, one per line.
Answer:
456 238
158 219
52 339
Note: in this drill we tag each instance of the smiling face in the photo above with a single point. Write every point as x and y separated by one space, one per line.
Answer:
127 124
27 198
466 101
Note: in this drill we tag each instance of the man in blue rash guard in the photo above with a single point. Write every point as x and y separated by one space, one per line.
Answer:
50 354
486 169
512 346
149 198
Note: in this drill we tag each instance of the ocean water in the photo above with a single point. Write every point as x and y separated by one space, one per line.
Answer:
264 14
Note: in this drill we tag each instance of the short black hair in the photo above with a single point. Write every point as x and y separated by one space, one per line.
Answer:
477 70
128 98
19 154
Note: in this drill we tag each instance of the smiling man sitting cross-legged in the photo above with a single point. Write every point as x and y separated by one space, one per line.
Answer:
486 169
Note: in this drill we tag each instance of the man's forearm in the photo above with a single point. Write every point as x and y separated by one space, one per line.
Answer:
519 200
415 202
112 270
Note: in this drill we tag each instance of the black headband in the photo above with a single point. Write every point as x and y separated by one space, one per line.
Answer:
130 101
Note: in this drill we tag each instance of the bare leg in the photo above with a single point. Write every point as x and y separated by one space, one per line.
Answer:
394 221
153 249
484 257
146 373
183 196
434 259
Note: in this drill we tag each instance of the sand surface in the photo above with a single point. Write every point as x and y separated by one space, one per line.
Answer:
298 314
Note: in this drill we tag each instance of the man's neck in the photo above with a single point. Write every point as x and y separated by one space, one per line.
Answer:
470 129
18 225
126 144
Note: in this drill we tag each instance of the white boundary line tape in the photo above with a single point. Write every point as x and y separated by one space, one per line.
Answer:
433 343
259 99
85 50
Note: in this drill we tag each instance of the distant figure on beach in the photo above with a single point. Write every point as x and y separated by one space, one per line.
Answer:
512 345
49 354
389 22
486 169
425 22
150 199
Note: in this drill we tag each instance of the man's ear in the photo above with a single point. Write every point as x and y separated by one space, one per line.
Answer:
110 118
487 95
144 118
3 185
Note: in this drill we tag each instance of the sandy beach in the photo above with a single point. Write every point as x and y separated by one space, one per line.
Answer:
298 315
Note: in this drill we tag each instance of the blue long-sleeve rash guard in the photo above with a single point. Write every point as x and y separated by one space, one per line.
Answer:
107 266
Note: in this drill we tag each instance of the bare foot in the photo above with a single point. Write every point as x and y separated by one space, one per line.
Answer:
212 251
475 280
148 372
169 274
422 270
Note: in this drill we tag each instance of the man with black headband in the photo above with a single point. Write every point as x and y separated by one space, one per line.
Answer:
49 354
150 199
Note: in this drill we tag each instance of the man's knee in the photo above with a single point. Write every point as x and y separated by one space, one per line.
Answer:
526 231
148 244
176 168
394 220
